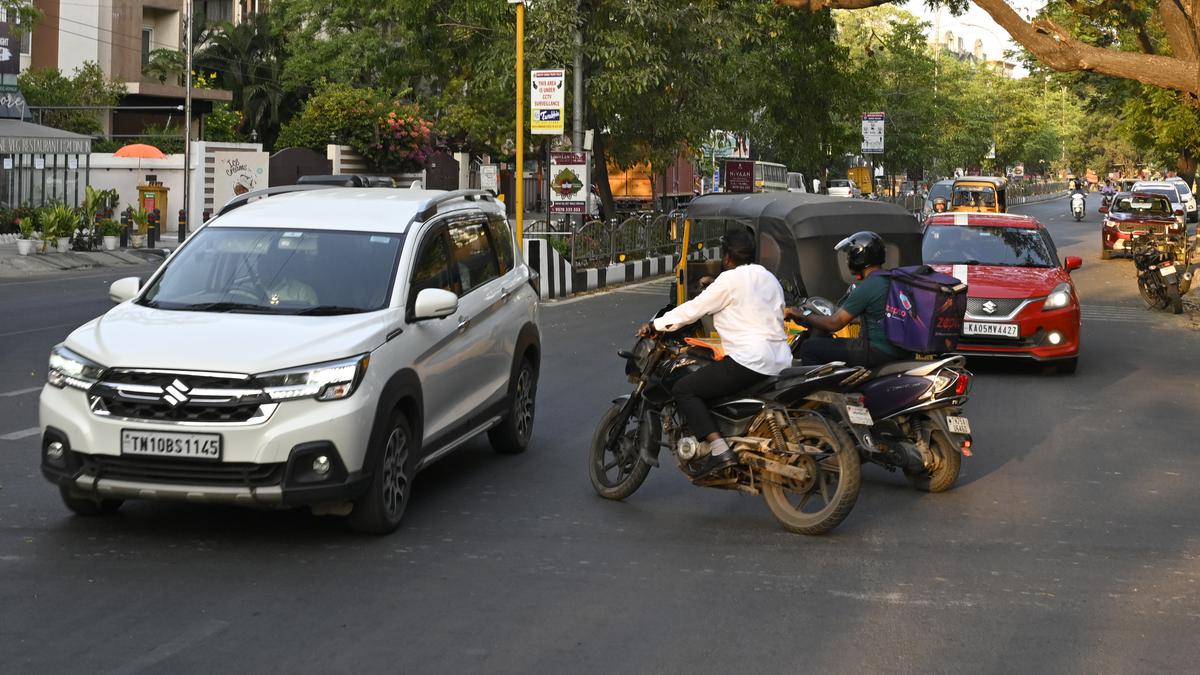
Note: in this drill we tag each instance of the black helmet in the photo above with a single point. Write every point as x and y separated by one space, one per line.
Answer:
862 250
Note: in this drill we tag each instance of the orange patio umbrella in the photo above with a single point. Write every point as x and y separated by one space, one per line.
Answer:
140 151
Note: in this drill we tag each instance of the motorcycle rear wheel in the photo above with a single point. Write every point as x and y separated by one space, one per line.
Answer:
1152 296
1174 299
838 462
630 470
946 474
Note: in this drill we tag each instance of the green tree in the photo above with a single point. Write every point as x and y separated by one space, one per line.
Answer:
87 86
336 111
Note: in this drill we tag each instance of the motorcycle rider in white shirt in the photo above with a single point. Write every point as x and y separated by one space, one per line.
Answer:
747 305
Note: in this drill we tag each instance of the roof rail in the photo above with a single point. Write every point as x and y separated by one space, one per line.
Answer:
430 208
242 199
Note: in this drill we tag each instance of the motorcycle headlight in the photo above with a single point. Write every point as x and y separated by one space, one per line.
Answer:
1060 297
68 369
328 381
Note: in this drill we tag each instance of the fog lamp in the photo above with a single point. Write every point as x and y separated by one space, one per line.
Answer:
321 465
1054 338
55 452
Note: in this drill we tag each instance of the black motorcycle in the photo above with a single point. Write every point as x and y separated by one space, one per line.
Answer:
802 462
1162 269
913 418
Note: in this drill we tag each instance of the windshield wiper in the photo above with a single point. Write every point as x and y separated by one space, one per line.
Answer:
326 310
227 307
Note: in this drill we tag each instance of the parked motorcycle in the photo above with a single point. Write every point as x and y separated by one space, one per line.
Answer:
803 463
914 414
1157 260
1077 206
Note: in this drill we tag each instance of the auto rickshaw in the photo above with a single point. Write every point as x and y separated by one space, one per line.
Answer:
795 235
980 194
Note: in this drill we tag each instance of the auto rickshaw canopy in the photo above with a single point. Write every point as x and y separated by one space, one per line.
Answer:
980 194
796 234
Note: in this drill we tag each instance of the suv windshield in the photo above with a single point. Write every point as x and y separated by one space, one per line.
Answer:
1171 194
278 271
1142 205
838 183
1002 246
1184 190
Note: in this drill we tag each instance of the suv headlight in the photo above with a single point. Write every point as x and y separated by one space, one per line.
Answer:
323 381
1060 297
68 369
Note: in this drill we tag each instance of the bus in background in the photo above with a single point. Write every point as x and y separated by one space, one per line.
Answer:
770 177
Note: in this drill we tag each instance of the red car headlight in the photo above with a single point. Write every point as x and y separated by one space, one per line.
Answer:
1060 297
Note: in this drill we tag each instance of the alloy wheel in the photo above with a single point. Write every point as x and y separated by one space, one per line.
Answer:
395 476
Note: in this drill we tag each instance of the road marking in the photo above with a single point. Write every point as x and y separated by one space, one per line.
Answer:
24 433
166 650
19 392
38 330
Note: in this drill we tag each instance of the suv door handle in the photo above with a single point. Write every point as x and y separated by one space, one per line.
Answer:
506 294
463 322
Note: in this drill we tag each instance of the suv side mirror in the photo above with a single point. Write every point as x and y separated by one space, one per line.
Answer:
124 289
434 303
1072 263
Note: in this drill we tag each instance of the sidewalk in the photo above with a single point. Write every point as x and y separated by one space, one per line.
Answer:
13 264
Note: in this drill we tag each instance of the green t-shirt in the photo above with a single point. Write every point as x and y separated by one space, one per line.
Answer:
868 301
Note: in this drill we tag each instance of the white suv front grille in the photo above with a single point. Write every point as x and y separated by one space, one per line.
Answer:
180 397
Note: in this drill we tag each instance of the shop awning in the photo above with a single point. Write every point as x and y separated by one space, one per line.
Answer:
17 137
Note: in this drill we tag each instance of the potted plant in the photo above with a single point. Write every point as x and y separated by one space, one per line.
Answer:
140 218
58 221
25 243
112 234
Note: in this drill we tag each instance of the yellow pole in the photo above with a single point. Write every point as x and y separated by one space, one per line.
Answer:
520 178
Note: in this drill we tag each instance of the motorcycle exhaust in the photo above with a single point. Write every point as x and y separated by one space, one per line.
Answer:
688 448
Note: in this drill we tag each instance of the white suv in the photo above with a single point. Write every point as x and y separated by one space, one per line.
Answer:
316 348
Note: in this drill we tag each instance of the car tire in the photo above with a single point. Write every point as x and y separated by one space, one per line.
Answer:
381 509
88 507
512 435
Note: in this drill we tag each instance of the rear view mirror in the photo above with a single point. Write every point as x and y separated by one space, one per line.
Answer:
1072 263
434 303
124 289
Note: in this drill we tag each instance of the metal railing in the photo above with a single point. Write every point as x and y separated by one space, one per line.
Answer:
598 243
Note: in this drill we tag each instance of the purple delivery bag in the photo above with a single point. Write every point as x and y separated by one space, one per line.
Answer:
925 310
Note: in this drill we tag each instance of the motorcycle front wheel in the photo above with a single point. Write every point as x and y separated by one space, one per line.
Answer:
821 503
618 472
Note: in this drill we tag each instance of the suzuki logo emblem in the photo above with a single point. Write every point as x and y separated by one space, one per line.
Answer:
176 393
989 307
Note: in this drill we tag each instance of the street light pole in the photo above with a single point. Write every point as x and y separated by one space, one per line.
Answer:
187 126
519 182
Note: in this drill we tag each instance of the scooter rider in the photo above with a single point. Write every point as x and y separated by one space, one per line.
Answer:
746 303
865 255
939 205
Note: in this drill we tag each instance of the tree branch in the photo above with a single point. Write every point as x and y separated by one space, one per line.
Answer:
1181 33
818 5
1059 51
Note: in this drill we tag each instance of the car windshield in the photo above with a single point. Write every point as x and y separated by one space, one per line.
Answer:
942 190
1002 246
1170 194
838 183
1142 205
1184 190
278 271
974 195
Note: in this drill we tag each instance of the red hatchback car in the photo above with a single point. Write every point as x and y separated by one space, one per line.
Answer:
1020 298
1134 212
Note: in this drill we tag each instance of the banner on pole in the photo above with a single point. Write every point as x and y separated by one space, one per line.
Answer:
872 133
547 102
570 182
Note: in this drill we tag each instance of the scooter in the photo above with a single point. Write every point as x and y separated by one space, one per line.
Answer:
1077 206
913 412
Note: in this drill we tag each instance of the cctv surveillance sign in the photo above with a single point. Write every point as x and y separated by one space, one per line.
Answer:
547 102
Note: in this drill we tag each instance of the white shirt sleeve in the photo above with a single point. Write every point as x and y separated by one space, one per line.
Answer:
712 300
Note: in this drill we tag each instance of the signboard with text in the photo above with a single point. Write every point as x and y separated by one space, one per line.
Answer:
547 102
570 182
10 50
739 175
238 172
872 133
